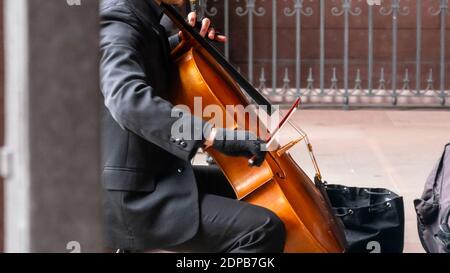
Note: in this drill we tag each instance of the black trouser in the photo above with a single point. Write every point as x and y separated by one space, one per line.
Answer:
228 225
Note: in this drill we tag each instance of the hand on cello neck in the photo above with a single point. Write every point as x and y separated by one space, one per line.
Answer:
205 28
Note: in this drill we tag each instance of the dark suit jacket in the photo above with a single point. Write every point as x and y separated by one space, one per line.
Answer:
151 194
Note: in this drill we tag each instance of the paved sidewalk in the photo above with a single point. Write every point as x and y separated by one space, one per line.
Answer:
390 149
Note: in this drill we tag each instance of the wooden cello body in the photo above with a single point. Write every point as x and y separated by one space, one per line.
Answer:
279 184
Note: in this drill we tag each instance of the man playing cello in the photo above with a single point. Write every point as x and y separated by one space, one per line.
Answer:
154 197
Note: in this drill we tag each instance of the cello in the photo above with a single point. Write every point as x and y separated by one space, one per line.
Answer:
279 184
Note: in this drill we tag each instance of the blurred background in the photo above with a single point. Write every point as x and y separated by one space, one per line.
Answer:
373 79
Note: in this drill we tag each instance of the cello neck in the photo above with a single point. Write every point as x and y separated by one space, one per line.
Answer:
179 21
197 7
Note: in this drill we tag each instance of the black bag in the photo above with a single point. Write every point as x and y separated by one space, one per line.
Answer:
433 208
373 218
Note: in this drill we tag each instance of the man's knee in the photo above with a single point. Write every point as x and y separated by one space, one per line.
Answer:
268 233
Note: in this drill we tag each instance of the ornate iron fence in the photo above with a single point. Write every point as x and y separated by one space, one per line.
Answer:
378 88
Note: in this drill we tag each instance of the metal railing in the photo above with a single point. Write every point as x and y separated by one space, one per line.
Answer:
376 90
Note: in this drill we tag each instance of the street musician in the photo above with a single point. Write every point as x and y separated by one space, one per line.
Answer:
154 197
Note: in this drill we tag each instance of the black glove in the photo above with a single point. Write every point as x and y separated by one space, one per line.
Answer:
240 143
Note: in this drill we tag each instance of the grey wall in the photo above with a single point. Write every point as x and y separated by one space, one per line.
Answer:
60 105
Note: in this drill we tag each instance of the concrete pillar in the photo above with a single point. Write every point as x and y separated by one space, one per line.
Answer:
51 160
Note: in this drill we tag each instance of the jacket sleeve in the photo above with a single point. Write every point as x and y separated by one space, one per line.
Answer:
174 40
172 31
130 99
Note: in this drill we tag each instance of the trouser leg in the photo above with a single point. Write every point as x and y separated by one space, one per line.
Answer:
211 180
229 225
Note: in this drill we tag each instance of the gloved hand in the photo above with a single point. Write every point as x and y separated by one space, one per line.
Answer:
240 143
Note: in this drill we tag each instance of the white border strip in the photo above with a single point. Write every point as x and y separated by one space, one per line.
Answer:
17 184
